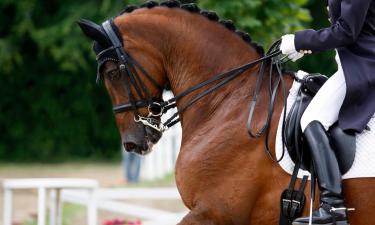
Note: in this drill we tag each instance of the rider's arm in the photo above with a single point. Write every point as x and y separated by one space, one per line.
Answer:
343 32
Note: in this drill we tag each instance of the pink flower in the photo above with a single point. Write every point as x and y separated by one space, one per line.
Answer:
122 222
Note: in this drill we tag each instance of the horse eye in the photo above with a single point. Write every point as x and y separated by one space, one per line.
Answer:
113 75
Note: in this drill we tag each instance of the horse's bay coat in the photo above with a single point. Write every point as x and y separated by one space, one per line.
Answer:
352 33
224 177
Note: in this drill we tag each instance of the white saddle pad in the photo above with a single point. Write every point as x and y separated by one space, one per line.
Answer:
364 162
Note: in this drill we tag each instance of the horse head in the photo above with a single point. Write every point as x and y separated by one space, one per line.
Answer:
146 48
135 93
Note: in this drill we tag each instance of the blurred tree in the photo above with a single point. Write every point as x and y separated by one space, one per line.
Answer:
51 109
266 20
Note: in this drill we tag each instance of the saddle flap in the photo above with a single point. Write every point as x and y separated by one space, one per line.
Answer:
290 124
344 144
293 133
293 136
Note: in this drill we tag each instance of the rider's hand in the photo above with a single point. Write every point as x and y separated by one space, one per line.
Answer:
288 48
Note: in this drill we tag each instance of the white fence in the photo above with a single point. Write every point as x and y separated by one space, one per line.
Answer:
115 200
52 187
162 159
86 193
159 163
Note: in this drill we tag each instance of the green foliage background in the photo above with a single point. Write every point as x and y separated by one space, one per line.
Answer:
52 110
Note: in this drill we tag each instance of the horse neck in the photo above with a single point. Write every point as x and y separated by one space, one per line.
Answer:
192 50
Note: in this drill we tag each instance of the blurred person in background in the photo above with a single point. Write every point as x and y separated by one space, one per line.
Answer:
131 166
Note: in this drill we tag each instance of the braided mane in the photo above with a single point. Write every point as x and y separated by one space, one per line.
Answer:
193 8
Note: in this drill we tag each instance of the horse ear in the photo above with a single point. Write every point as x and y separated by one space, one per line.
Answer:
93 31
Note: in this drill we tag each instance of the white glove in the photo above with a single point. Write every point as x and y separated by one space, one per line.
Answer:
288 48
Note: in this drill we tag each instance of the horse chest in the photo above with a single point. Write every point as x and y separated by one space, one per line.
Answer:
222 176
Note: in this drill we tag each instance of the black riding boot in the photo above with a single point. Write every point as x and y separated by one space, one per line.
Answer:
332 210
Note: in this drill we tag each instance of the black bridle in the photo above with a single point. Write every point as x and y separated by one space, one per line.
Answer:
127 66
156 107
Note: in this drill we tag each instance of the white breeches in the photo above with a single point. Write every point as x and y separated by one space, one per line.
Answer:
326 104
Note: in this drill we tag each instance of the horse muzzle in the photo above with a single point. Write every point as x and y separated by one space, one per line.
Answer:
141 142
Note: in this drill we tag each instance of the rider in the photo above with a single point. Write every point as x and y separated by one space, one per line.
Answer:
347 97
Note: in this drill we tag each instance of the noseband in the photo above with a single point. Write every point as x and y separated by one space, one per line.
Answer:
156 107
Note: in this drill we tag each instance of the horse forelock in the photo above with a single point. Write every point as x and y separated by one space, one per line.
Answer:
193 8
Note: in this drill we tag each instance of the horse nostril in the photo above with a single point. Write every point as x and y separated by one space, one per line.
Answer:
130 146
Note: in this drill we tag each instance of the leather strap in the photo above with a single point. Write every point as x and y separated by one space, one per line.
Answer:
292 202
128 70
273 91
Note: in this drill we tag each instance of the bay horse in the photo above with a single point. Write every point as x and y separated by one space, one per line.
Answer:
224 177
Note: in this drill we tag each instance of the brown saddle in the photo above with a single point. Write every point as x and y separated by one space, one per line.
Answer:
343 142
